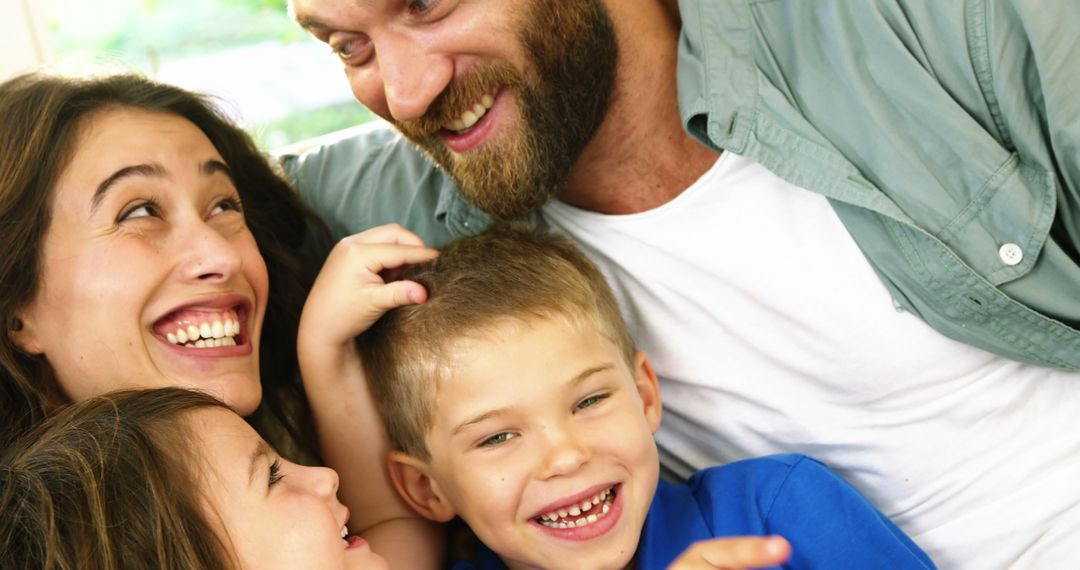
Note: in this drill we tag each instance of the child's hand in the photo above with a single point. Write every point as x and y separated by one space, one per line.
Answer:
350 293
739 553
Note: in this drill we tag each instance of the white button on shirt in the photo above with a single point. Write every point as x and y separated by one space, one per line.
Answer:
1011 254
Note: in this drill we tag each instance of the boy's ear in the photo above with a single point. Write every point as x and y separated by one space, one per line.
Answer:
417 488
649 389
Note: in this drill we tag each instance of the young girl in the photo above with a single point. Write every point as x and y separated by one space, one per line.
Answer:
166 478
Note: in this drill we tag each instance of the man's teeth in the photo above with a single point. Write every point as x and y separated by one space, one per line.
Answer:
344 531
206 334
572 516
473 114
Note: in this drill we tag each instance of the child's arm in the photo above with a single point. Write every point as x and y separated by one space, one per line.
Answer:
736 553
348 296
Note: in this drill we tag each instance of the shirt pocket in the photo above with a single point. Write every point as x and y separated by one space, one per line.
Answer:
1001 231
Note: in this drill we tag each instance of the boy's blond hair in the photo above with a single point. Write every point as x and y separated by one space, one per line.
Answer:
507 273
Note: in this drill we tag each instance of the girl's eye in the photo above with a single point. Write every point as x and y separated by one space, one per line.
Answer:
140 210
591 401
498 439
227 205
275 473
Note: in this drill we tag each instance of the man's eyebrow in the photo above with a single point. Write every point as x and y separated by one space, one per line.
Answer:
310 23
150 170
261 450
579 378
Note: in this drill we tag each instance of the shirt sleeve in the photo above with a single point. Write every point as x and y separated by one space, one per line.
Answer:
830 525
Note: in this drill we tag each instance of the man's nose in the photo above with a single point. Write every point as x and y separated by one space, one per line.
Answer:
413 73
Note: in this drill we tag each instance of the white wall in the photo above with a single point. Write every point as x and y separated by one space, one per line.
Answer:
23 43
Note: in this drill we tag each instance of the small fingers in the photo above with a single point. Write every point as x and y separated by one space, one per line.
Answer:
397 294
736 553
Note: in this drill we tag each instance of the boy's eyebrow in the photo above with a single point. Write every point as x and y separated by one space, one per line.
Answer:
261 450
499 411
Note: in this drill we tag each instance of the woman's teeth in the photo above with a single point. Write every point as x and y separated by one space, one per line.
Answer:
575 515
208 334
471 116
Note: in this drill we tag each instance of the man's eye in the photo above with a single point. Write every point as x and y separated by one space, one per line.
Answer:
420 7
351 51
498 439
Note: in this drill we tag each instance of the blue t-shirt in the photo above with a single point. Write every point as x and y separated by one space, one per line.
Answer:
828 523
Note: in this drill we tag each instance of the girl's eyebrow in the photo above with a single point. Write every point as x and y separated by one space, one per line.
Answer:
261 451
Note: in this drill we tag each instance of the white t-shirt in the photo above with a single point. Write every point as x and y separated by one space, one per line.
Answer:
771 333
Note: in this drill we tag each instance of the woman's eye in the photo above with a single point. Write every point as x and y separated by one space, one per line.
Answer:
497 439
142 210
275 473
591 401
228 205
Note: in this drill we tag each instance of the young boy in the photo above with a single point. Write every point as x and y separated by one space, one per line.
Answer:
514 398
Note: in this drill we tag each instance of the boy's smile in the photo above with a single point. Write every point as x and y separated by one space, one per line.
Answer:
542 442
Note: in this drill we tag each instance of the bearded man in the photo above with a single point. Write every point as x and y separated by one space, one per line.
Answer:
846 229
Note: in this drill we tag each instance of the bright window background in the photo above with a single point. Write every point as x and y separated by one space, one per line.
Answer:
277 82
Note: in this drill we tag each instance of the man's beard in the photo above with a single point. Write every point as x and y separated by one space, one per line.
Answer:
563 99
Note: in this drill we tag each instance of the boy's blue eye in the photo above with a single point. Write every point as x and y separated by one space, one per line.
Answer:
275 473
497 439
591 401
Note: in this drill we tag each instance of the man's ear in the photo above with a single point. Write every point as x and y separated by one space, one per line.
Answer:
20 329
417 488
649 389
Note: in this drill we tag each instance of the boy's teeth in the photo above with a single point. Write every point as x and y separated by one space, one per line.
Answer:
568 518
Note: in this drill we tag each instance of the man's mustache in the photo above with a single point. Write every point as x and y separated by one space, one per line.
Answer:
459 96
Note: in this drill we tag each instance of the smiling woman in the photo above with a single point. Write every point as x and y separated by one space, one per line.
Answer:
134 215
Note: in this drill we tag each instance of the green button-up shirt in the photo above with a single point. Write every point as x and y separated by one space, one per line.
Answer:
945 133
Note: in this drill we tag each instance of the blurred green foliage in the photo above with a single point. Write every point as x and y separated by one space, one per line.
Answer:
310 124
142 34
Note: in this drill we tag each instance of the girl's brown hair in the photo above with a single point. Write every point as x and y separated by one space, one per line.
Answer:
108 483
40 116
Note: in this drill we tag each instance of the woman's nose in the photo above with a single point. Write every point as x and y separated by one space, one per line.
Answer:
207 255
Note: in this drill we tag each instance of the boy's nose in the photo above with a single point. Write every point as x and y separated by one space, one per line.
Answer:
566 452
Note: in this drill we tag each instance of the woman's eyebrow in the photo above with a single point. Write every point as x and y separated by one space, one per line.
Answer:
207 168
150 170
